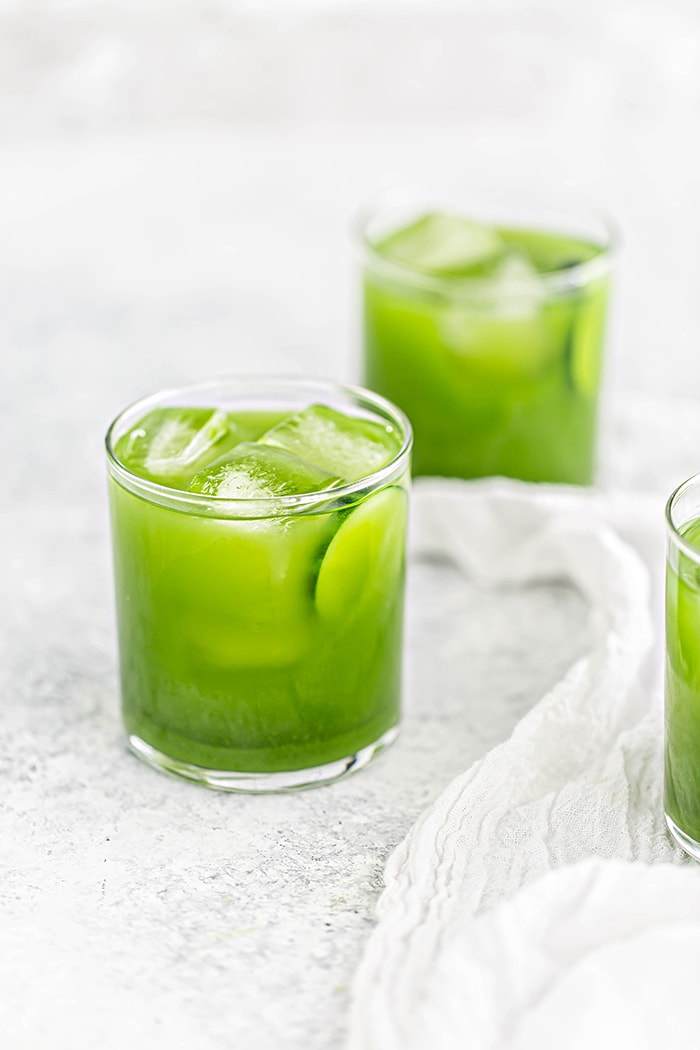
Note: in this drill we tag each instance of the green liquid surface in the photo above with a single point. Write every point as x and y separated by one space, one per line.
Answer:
498 372
682 693
259 645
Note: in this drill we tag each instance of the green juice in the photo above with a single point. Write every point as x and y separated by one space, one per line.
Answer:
259 581
491 340
682 692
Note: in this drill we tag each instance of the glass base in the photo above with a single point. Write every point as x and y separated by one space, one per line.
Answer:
261 783
688 845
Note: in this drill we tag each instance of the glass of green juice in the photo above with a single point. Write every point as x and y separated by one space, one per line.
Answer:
682 670
259 537
486 325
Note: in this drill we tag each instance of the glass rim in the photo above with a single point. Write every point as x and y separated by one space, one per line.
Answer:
262 506
690 549
561 280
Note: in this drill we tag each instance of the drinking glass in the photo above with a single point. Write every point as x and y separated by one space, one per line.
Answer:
489 336
682 672
260 638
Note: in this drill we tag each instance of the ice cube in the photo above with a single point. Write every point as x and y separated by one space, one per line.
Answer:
247 598
498 331
347 446
515 285
548 251
256 471
170 444
444 244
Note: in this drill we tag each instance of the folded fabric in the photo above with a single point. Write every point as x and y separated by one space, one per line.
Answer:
579 777
598 954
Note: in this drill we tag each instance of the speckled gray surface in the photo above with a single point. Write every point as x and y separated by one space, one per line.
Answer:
146 911
153 233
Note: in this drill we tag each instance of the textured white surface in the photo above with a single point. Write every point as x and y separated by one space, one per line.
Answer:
146 906
175 188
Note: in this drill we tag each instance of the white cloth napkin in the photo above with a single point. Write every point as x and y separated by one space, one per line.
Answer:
490 935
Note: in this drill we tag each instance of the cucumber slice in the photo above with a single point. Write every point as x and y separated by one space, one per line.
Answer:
587 341
364 561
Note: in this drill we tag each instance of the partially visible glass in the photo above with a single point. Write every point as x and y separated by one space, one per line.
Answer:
260 638
496 357
682 673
